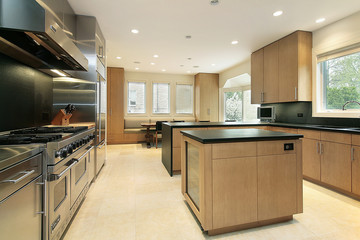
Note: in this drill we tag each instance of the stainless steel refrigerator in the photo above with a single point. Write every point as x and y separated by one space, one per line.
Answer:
100 131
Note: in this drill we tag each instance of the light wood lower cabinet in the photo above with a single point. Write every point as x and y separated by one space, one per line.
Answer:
277 177
336 165
234 181
311 158
355 157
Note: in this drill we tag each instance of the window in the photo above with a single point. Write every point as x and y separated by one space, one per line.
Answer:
136 97
339 81
161 98
238 106
184 99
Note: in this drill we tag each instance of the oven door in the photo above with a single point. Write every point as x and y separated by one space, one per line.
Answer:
79 175
59 202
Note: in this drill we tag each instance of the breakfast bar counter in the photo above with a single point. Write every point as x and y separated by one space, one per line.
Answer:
241 178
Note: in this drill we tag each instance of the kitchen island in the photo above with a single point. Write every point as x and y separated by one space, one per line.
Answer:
241 178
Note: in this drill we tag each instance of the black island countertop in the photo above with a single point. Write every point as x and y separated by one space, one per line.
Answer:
237 135
344 129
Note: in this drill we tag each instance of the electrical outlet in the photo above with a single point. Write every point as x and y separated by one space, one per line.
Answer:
300 115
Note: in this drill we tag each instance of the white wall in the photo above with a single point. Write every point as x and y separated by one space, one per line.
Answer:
239 69
149 78
337 35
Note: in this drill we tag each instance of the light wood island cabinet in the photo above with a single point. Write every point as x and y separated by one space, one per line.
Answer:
258 182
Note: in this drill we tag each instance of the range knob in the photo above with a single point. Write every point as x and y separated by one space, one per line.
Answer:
70 149
63 153
73 146
57 154
77 143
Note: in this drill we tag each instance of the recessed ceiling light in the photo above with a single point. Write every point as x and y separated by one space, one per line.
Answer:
137 68
181 65
195 66
277 13
135 31
156 56
188 37
188 71
234 42
320 20
188 58
214 2
152 63
118 57
164 70
213 64
137 62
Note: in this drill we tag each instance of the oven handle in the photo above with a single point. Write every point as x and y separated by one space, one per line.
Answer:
26 174
84 154
54 177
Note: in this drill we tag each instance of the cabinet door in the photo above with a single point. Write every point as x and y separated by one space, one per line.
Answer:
271 73
311 158
234 191
257 76
288 68
355 169
336 165
277 195
115 104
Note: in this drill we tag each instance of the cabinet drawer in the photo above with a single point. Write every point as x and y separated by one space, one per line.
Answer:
275 147
177 135
312 134
336 137
355 139
230 150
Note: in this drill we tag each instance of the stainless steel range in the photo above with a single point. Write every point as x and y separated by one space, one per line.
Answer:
67 158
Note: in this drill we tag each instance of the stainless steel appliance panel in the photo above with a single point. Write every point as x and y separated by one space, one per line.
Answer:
79 175
80 93
100 156
91 162
20 213
15 177
102 110
59 204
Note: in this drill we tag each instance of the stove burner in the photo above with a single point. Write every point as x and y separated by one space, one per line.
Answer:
38 130
26 139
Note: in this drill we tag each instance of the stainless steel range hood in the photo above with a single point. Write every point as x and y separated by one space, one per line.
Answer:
30 34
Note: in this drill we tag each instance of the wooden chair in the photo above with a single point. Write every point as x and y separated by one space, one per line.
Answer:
158 131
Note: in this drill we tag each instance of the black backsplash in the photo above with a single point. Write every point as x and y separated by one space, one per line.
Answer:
288 113
26 95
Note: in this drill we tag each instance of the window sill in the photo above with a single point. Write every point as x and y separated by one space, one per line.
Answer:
338 114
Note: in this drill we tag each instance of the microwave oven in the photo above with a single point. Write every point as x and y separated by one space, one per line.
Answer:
266 113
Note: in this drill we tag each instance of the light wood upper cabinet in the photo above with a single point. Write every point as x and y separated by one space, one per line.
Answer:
207 97
287 68
257 76
336 165
271 73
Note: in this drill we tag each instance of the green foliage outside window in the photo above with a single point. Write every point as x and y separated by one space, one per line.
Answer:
341 78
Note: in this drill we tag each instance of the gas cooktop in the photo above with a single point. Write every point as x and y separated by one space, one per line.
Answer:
40 130
39 135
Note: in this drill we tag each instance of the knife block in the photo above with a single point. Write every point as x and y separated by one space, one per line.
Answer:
61 118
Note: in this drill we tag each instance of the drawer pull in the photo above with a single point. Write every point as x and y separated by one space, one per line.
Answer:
26 174
352 154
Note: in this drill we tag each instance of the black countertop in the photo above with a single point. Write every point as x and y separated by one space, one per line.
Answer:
237 135
343 129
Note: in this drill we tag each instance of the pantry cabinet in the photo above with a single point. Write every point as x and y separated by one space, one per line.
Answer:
286 70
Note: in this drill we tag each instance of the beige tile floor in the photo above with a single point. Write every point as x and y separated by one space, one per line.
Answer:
134 198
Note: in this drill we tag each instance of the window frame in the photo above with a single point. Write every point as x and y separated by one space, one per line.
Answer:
127 98
320 56
193 99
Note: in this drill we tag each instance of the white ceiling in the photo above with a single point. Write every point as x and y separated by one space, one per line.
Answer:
163 25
